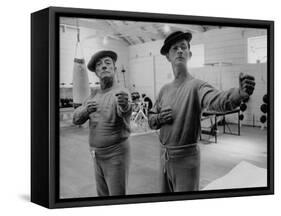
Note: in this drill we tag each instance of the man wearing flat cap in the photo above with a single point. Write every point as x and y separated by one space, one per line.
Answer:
108 111
177 113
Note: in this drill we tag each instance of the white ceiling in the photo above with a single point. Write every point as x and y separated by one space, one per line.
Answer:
131 32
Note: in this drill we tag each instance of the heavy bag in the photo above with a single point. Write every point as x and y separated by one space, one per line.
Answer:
81 88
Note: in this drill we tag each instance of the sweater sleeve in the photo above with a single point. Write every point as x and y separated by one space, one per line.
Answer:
153 114
215 100
80 114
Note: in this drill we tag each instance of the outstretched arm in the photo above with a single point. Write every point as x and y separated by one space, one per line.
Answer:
216 100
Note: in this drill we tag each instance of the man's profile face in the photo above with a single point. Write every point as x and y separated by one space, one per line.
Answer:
105 67
179 53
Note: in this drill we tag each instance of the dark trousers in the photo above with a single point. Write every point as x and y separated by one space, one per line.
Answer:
180 169
111 169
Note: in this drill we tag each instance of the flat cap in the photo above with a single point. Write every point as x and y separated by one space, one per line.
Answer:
173 38
97 56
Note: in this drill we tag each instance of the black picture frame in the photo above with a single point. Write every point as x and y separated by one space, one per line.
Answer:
45 111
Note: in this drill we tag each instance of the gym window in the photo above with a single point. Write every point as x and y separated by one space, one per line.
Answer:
257 49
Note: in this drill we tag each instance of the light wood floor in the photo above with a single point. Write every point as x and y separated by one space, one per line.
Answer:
77 173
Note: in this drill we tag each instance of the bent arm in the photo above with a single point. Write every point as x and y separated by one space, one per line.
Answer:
127 111
153 114
80 115
153 120
124 112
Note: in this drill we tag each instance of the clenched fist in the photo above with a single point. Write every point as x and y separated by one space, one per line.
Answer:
246 84
123 100
91 106
165 116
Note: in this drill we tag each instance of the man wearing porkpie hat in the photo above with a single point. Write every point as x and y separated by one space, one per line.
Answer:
177 113
108 112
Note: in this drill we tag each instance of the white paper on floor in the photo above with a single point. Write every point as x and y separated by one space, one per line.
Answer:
243 175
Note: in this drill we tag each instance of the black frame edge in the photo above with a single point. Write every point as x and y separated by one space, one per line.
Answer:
40 107
149 198
54 107
270 85
176 18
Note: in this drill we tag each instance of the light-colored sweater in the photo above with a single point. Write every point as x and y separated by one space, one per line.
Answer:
187 100
109 124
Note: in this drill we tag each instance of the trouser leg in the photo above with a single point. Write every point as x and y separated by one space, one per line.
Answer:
116 175
101 186
165 184
186 171
187 179
182 172
116 170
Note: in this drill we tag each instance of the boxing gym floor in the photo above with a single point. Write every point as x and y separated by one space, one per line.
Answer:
217 159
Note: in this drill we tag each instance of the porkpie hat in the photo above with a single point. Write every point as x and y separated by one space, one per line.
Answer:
173 38
104 53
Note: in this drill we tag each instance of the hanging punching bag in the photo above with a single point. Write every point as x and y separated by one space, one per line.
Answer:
81 88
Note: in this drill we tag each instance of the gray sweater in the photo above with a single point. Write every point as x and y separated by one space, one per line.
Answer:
109 125
187 100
